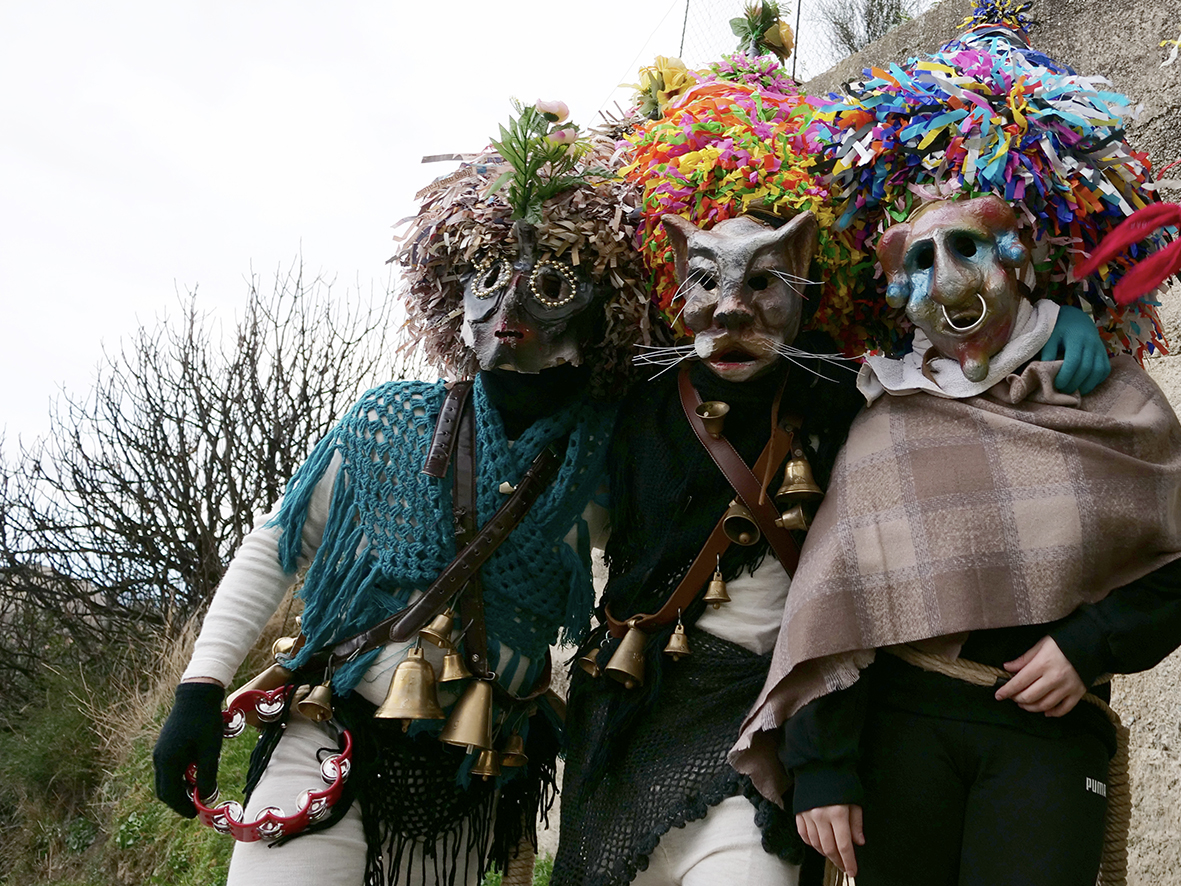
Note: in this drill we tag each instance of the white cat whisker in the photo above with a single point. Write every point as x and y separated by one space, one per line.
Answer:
837 359
667 368
681 290
796 284
662 355
795 356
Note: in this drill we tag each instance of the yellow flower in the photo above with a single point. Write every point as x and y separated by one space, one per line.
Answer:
660 83
780 38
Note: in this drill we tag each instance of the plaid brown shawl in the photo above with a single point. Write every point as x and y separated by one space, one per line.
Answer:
948 516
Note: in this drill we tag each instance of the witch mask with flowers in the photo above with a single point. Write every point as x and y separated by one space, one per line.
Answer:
525 305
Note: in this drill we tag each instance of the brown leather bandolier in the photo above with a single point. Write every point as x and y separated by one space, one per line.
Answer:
749 488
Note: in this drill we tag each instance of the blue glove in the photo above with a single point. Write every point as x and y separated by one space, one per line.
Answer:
191 734
1075 341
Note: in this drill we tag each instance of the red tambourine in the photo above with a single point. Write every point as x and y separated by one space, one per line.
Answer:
271 824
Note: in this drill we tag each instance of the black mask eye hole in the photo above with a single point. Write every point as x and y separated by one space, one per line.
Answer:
964 245
758 282
923 255
704 279
491 276
553 284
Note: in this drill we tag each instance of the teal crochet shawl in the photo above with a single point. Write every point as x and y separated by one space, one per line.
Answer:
390 532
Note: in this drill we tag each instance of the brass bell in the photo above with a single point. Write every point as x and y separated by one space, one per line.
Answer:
301 693
794 518
488 764
453 668
439 630
411 695
716 592
799 485
514 751
739 524
678 643
627 664
712 414
590 663
282 646
470 723
272 678
318 704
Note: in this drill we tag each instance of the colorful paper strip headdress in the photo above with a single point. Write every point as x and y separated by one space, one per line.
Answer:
987 114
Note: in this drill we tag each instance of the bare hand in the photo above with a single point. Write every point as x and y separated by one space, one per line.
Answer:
832 831
1044 681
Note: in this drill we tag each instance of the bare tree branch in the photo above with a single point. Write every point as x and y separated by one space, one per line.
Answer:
851 25
124 516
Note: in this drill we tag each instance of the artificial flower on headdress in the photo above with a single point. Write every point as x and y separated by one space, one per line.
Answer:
987 114
543 150
760 31
554 112
660 83
761 72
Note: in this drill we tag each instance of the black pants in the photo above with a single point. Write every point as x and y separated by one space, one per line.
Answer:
955 803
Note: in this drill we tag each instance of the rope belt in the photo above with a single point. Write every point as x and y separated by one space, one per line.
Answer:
1113 868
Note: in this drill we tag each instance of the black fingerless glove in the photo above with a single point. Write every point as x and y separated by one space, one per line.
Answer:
191 734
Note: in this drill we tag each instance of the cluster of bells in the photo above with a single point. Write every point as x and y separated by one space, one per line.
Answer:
413 695
797 499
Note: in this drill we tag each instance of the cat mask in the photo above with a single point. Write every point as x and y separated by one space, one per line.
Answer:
955 266
743 287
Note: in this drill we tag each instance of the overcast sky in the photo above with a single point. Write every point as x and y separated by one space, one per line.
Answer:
151 148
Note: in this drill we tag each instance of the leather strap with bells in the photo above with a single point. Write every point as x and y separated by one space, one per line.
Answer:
471 601
443 441
772 456
746 484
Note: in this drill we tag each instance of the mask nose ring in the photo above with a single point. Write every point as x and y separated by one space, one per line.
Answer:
970 327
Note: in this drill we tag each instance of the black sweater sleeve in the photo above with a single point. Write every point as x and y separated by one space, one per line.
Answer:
821 747
1131 629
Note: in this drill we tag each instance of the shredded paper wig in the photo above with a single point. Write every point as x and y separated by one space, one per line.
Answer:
589 224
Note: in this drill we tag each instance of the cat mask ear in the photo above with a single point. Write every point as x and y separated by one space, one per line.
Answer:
679 231
798 239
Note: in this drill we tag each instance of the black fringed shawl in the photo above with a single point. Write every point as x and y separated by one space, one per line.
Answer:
666 497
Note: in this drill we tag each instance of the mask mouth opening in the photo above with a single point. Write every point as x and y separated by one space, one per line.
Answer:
965 320
734 355
510 333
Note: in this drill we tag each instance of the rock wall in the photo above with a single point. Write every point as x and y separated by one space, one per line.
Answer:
1119 41
1150 704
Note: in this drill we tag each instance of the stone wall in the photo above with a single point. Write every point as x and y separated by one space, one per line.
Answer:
1119 41
1150 704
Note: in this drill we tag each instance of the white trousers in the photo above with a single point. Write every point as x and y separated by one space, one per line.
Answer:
725 847
333 857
